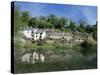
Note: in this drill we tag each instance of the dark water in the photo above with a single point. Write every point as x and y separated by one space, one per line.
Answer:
55 60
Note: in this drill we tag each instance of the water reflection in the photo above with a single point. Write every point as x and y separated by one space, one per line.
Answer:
40 55
33 57
26 57
36 60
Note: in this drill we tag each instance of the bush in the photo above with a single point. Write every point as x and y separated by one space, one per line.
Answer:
89 43
94 35
88 46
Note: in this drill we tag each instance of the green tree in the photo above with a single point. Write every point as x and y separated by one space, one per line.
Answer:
94 35
89 29
81 28
17 19
33 22
73 26
25 17
62 22
44 24
42 18
95 32
48 25
53 20
41 24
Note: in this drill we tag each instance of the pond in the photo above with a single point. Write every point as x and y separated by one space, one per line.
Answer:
41 60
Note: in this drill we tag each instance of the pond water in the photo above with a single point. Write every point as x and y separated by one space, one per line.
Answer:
41 60
41 55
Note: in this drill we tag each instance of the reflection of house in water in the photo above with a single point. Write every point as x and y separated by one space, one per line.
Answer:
33 57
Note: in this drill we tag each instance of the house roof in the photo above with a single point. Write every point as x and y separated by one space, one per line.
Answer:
40 31
30 28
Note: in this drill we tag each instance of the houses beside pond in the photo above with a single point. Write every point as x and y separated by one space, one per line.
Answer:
37 34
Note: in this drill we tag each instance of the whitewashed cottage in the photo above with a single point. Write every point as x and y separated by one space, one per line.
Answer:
34 33
39 35
28 32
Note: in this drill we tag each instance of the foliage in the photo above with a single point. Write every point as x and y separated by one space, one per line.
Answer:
81 27
94 35
95 31
25 17
20 19
89 46
89 43
44 24
32 22
17 19
61 22
89 29
73 26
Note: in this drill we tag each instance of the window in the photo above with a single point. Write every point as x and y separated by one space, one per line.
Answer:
32 32
32 35
40 33
40 36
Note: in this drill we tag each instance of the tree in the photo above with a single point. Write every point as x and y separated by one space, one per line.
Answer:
88 46
32 22
89 29
41 24
82 26
94 35
25 17
44 24
95 32
53 20
48 25
42 18
62 22
17 19
73 26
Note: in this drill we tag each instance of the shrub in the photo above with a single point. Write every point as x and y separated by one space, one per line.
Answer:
89 43
94 35
88 46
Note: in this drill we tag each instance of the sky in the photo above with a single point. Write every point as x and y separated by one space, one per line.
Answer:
75 13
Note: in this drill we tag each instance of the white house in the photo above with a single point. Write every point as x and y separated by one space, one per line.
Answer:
35 34
28 32
39 35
